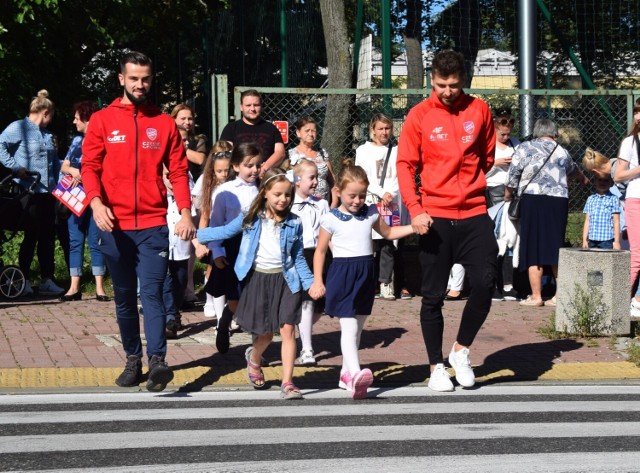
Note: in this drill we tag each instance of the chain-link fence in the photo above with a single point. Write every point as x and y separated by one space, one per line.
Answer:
598 119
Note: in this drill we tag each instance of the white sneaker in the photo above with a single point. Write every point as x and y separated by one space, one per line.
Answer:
209 311
459 361
306 358
233 326
28 290
49 288
440 380
634 309
386 292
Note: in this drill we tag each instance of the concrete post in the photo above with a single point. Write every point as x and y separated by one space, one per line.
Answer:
594 270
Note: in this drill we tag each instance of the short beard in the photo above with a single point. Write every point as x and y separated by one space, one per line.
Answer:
135 100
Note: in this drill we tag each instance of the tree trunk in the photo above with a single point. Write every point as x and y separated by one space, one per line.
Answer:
413 48
336 131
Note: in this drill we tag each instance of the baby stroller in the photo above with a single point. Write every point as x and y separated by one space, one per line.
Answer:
14 201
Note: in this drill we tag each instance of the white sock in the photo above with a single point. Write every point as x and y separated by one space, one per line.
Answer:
218 305
351 329
305 325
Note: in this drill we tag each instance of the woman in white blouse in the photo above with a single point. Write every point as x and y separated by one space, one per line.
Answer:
372 156
628 170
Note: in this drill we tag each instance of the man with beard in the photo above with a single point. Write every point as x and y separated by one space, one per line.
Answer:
253 129
125 149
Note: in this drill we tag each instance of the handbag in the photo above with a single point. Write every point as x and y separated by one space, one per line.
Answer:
514 206
390 213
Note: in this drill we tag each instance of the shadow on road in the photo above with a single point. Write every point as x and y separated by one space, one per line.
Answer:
328 345
524 362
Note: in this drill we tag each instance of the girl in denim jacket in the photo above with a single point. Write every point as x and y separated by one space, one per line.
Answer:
273 272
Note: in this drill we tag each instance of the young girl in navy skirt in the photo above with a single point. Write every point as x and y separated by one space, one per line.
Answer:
310 208
351 280
229 200
273 272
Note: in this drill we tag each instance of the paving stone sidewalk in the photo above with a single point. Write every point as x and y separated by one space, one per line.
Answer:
45 343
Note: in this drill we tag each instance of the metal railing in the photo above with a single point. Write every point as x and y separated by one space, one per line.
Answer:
598 119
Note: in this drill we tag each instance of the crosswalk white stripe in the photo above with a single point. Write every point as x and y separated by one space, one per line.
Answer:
310 411
600 462
246 394
316 434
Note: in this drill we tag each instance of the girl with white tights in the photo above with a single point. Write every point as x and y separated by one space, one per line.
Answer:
310 207
351 281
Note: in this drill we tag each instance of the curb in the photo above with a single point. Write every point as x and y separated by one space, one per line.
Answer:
199 378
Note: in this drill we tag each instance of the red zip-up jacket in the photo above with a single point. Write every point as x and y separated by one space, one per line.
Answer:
123 152
453 147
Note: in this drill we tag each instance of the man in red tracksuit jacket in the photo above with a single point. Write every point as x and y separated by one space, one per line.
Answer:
124 151
450 140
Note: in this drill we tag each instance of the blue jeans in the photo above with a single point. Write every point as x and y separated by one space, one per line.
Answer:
141 254
79 228
604 244
174 286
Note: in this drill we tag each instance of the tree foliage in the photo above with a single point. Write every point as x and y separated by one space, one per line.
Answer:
71 47
604 36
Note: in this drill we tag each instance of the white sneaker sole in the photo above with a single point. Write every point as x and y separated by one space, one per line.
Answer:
307 362
441 389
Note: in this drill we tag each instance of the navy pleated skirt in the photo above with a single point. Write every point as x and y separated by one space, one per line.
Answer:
350 286
543 222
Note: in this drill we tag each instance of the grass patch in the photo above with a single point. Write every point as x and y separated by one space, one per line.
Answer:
634 352
549 330
587 313
573 233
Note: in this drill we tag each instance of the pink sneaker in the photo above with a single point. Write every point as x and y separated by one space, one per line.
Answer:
360 382
345 381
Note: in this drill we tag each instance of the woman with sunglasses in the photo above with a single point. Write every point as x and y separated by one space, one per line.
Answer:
496 180
505 147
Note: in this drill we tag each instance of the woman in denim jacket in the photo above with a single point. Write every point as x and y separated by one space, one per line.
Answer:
273 272
27 146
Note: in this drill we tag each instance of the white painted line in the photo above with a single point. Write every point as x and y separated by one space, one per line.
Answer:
315 434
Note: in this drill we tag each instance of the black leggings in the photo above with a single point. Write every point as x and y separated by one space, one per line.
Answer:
471 243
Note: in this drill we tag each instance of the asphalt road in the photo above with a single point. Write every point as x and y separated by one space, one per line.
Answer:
502 428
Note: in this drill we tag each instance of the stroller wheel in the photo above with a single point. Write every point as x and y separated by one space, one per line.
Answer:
12 282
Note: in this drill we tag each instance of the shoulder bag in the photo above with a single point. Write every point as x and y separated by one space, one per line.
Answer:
389 213
514 207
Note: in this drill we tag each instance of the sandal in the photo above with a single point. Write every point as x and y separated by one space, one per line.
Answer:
551 302
531 303
255 379
405 295
290 391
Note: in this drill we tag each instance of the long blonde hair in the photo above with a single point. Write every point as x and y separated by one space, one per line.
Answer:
257 207
220 150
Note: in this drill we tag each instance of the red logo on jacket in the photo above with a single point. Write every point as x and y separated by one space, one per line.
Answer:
469 127
152 134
